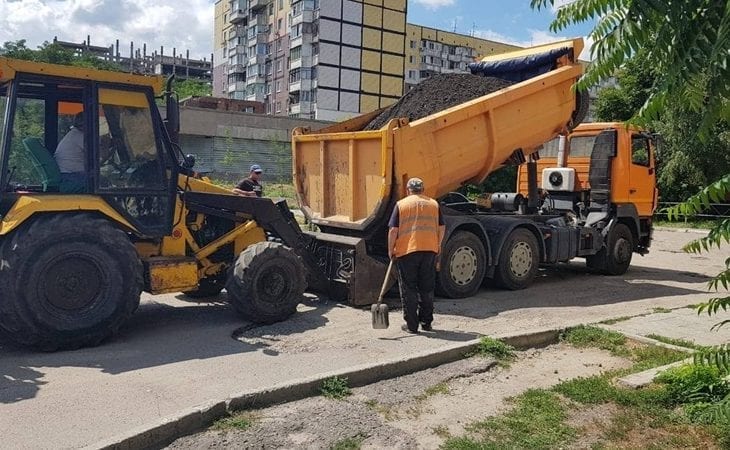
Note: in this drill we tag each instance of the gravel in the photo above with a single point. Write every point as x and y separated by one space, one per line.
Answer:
436 94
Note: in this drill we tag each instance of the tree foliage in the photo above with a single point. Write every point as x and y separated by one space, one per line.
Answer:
688 43
54 53
193 88
687 40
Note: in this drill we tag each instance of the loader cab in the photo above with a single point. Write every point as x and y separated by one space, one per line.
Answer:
113 139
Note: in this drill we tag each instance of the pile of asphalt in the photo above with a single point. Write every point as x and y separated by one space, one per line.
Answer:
437 93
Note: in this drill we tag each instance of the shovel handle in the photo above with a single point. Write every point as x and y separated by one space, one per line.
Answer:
385 282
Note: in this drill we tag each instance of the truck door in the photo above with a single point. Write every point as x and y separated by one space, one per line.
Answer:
642 175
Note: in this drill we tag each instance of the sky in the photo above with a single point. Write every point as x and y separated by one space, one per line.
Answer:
188 24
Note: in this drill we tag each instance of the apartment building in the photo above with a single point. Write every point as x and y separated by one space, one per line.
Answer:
330 59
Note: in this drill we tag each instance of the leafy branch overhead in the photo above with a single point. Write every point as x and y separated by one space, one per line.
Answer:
689 43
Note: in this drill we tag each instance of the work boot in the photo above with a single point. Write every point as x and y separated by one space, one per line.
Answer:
426 327
405 328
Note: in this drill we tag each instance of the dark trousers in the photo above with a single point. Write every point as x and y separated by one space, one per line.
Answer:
417 279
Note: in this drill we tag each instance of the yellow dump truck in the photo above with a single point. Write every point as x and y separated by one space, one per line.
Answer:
348 180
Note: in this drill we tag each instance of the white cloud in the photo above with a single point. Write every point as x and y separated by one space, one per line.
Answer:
435 4
183 24
537 37
560 3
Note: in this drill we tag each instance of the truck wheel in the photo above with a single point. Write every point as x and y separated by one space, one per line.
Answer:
615 257
68 281
207 288
267 283
463 264
518 260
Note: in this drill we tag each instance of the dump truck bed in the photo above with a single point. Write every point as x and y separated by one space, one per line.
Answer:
346 179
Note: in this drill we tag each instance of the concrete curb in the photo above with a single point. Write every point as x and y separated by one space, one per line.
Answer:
194 419
649 341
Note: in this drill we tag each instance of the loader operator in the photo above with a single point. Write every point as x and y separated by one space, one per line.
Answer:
70 156
414 240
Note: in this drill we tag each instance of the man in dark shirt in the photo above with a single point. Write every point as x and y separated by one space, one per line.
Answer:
250 187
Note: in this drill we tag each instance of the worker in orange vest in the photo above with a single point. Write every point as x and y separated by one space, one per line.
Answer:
414 241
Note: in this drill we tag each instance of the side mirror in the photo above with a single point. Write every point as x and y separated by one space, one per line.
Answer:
188 162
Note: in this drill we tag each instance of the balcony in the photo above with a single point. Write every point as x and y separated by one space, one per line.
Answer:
238 86
236 68
256 59
255 5
304 16
237 16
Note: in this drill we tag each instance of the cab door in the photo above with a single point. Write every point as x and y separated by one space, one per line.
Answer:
131 168
642 175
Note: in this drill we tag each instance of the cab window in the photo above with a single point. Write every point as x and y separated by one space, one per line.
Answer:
640 150
128 148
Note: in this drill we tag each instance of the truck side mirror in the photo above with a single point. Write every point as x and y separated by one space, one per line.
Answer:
188 162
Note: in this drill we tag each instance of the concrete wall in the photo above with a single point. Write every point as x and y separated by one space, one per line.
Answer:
227 143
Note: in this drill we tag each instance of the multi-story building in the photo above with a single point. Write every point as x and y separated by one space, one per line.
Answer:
330 59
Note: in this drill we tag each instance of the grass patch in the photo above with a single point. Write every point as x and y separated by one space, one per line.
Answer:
536 421
494 348
616 320
587 336
335 388
661 310
441 431
689 223
240 422
677 342
441 388
351 443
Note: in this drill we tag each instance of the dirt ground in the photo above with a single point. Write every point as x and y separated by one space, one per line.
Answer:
416 411
430 97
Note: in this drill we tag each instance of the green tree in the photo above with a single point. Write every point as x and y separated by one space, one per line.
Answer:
193 88
54 53
689 44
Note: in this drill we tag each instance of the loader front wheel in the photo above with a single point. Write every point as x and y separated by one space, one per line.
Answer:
68 281
267 283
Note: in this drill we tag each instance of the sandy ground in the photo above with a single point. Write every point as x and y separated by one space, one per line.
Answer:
414 411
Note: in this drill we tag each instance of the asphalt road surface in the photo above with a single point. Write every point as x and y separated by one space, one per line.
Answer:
175 354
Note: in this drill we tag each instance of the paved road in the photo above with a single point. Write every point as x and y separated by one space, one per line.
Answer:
174 354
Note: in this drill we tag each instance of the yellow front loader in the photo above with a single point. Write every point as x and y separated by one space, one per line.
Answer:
78 248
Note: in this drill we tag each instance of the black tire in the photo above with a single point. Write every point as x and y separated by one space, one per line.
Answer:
68 281
207 288
518 262
267 283
463 265
582 105
615 257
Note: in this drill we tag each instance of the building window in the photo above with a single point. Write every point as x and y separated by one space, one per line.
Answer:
413 44
278 107
278 86
412 74
281 5
279 24
296 53
412 59
278 45
271 9
278 66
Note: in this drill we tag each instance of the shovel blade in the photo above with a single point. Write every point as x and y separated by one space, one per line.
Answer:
380 316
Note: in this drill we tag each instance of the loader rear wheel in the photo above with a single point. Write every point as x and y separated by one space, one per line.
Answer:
463 265
207 288
615 257
267 283
68 281
518 260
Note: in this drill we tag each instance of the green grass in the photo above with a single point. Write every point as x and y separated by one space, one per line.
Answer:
441 431
587 336
351 443
537 421
335 388
689 223
616 320
441 388
494 348
240 422
661 310
677 342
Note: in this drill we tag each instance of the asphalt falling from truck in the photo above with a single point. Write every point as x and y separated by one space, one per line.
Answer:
438 93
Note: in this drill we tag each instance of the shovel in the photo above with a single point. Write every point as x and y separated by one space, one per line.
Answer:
380 310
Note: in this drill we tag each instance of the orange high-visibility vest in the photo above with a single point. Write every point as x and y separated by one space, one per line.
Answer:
418 225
